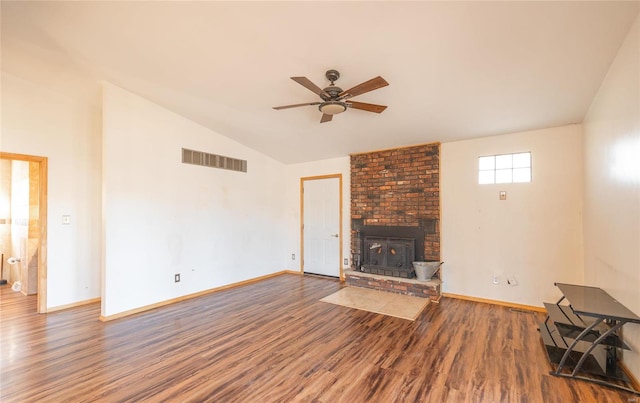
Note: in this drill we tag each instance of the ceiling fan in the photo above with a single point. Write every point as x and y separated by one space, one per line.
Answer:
335 100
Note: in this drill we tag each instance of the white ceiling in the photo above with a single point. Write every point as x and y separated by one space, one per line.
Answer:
456 70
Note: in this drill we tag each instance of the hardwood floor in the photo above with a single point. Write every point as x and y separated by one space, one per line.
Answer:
275 341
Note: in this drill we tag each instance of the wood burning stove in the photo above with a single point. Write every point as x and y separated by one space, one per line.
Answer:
399 247
389 256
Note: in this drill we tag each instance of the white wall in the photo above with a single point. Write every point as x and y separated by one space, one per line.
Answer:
535 235
39 122
214 227
612 187
294 172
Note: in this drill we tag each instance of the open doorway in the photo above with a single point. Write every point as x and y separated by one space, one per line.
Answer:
23 224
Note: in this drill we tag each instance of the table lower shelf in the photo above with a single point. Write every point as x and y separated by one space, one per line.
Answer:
595 363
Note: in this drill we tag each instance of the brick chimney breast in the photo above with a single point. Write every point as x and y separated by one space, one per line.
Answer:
399 187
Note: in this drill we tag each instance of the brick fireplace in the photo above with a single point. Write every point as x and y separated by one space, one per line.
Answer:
395 191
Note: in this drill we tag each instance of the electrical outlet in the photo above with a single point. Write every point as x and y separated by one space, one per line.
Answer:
176 277
346 262
293 256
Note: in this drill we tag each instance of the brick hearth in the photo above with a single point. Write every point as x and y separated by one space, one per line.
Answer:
425 289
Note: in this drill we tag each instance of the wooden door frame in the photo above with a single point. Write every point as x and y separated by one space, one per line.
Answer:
310 178
42 223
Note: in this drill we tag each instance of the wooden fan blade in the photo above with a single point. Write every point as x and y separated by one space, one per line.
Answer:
295 106
326 118
305 82
367 86
367 107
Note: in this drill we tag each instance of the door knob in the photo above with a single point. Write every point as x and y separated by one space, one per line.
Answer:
335 236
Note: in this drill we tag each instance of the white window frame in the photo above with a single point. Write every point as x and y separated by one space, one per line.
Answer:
505 168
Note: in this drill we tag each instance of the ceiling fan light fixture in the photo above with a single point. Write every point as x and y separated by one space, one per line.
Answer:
332 107
334 100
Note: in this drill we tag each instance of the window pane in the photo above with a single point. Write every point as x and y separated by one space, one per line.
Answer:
487 162
522 160
522 175
505 168
485 177
503 161
503 175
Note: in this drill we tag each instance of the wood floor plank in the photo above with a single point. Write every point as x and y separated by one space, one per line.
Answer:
274 341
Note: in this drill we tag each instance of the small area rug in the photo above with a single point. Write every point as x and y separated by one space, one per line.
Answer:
385 303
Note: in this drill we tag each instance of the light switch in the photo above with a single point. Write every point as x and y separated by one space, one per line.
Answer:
503 195
66 219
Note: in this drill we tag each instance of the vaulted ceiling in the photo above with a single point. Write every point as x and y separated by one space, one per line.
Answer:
456 70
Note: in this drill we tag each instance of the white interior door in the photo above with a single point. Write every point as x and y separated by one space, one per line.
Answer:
321 226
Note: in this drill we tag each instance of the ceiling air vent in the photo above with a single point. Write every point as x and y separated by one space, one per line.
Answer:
213 160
